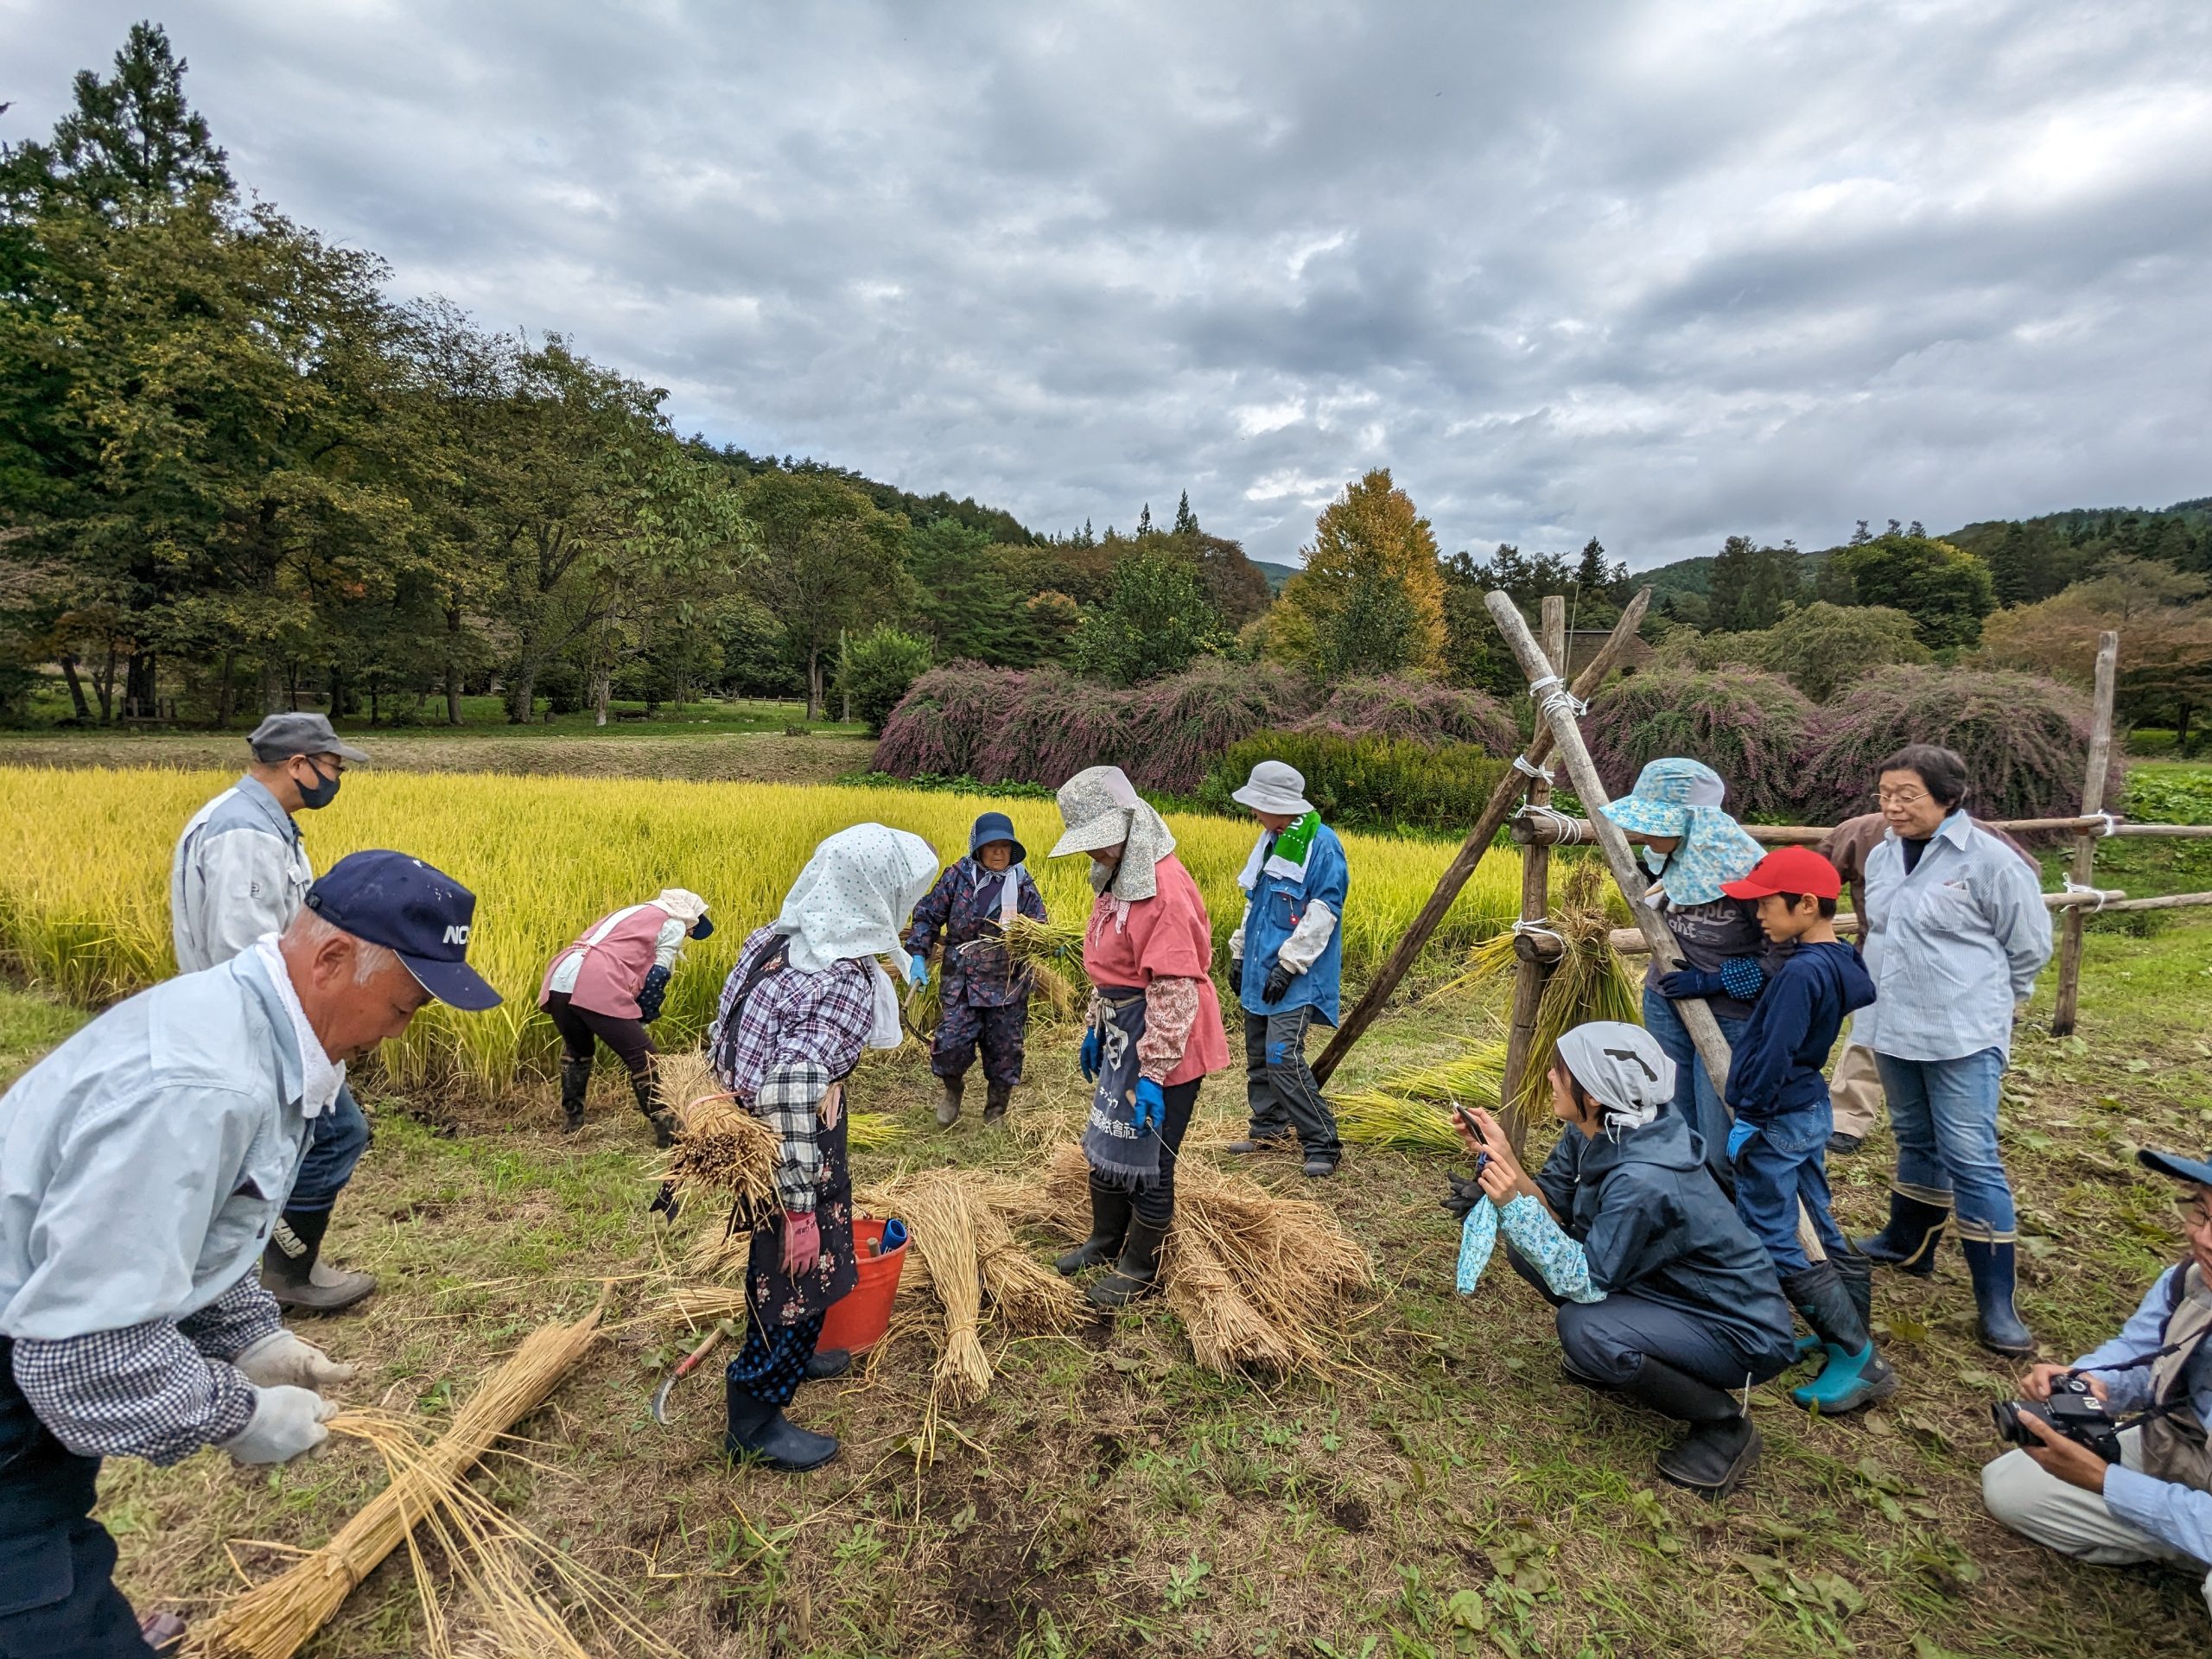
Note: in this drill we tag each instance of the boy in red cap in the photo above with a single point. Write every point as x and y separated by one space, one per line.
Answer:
1783 1118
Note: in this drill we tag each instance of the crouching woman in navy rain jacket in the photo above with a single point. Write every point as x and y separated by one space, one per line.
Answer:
1663 1293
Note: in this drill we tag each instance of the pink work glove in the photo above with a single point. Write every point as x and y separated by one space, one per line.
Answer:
832 1105
802 1243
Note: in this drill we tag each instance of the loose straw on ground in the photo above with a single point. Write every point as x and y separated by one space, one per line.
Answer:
272 1620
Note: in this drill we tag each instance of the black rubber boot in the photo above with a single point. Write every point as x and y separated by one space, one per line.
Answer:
292 1269
1855 1375
760 1433
948 1101
1909 1243
575 1083
663 1120
1721 1446
1111 1208
825 1362
1857 1273
2000 1329
1137 1273
996 1098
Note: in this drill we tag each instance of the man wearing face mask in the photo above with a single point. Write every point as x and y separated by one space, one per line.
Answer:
240 872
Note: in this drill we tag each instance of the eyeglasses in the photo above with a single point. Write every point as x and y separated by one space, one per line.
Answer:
1900 796
2195 1218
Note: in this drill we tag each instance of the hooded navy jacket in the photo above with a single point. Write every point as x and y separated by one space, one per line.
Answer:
1793 1026
1653 1224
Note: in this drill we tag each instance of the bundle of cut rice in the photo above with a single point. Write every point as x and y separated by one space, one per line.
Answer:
1412 1110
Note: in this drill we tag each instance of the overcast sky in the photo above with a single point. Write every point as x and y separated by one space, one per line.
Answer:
1660 272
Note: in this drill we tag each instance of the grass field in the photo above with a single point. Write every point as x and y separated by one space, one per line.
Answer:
85 910
1108 1498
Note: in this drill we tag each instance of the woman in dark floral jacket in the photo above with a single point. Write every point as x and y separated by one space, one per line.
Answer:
984 996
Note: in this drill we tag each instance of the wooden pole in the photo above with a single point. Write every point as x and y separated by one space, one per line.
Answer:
1560 830
2085 847
1629 942
1501 799
1556 708
1529 972
2168 901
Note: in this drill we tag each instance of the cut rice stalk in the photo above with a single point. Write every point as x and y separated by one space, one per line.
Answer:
1412 1110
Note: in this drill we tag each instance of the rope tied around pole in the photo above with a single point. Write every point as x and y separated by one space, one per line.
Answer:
1527 768
1544 928
2110 826
2098 894
1552 696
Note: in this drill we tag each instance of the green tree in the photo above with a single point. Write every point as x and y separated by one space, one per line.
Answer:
969 601
828 557
874 669
1944 591
1187 522
1154 621
1750 585
1331 615
1821 647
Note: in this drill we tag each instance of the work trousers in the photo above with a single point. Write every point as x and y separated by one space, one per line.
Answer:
1855 1089
1001 1032
1155 1204
1695 1098
581 1028
772 1363
1784 1164
1606 1341
1280 1087
1943 1114
2037 1504
58 1599
336 1138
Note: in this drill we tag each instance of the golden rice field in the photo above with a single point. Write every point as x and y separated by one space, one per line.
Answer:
85 860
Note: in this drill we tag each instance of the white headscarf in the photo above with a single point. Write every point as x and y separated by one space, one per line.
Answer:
1622 1067
682 904
1102 809
848 902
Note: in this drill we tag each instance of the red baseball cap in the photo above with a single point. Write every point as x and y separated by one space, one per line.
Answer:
1788 869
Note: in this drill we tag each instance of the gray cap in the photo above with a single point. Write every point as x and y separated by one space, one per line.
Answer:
1274 787
281 737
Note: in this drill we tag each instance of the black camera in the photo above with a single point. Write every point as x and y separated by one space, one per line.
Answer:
2072 1409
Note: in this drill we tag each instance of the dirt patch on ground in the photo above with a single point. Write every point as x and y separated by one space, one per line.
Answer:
737 758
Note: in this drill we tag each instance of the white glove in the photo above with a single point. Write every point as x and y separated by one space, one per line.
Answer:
286 1422
281 1358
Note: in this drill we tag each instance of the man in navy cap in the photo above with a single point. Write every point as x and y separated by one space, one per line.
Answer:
143 1165
240 871
2155 1504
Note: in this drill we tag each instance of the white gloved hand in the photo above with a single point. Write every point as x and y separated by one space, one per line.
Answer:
286 1422
281 1358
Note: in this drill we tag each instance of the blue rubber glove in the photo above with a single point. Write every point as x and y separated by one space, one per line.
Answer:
1091 1055
1152 1105
917 971
1685 983
1740 1137
651 993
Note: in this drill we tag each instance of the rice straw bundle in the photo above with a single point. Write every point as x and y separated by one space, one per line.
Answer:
701 1305
1268 1277
272 1620
717 1253
871 1131
940 1222
1412 1110
1587 982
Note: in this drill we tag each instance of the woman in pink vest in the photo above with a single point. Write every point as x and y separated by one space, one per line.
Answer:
607 987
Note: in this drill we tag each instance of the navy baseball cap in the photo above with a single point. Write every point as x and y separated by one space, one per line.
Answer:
2196 1171
419 913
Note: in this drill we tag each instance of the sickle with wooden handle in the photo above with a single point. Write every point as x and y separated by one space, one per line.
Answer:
684 1367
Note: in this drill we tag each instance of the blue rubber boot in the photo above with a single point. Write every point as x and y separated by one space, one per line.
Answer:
1855 1375
2000 1329
1909 1243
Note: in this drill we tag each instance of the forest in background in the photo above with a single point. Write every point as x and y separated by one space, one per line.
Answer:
237 475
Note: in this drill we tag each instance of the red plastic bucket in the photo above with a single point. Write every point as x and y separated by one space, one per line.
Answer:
858 1319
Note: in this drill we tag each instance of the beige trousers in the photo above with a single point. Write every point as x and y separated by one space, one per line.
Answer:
2016 1491
1856 1089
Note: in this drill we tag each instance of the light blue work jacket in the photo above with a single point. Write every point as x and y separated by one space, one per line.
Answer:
143 1162
1277 905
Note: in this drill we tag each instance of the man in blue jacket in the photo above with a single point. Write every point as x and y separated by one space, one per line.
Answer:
1287 958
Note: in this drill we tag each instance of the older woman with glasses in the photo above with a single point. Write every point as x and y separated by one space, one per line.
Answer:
1956 932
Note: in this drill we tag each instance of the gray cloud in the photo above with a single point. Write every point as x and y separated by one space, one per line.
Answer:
1658 272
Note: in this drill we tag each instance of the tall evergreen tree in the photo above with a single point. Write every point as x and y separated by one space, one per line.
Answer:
1187 522
129 143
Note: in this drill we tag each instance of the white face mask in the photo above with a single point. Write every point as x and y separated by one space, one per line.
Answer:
1655 860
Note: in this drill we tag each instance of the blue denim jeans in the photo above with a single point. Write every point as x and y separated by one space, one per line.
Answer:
336 1141
1696 1100
1943 1114
1784 1164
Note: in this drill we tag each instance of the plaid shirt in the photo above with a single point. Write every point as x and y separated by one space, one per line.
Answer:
796 1033
157 1390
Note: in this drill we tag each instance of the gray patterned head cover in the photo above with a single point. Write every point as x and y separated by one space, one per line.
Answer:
1102 809
1621 1067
